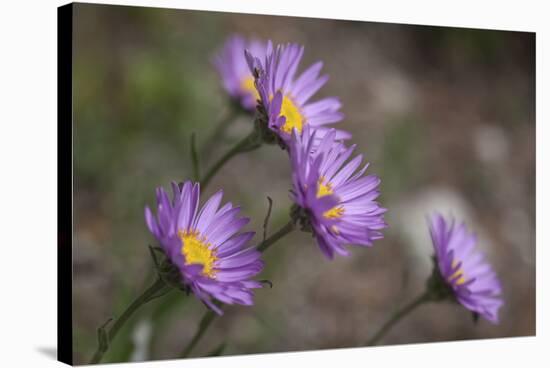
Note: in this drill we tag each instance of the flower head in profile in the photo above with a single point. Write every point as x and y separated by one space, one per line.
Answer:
205 245
334 196
467 275
234 72
285 96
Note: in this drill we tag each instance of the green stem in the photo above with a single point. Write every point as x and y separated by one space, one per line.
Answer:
146 296
288 228
421 299
248 143
208 317
203 326
219 130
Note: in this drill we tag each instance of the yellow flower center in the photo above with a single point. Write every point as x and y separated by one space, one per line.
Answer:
324 189
247 85
334 212
458 276
294 118
197 251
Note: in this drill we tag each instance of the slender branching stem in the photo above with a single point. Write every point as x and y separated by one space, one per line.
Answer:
248 143
397 316
209 315
286 229
205 322
219 130
108 336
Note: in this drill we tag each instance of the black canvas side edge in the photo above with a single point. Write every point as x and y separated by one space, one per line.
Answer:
64 184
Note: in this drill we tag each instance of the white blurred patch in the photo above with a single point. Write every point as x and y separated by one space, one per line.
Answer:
411 222
491 144
517 229
394 93
141 337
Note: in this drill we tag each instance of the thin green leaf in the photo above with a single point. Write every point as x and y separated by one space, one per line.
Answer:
217 351
154 258
268 214
103 336
194 158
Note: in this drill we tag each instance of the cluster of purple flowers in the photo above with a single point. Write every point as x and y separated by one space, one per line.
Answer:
333 196
337 201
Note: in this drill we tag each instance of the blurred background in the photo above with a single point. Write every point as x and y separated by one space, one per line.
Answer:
445 116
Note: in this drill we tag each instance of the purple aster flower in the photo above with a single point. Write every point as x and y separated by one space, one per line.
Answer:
234 72
205 245
285 97
470 278
336 199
